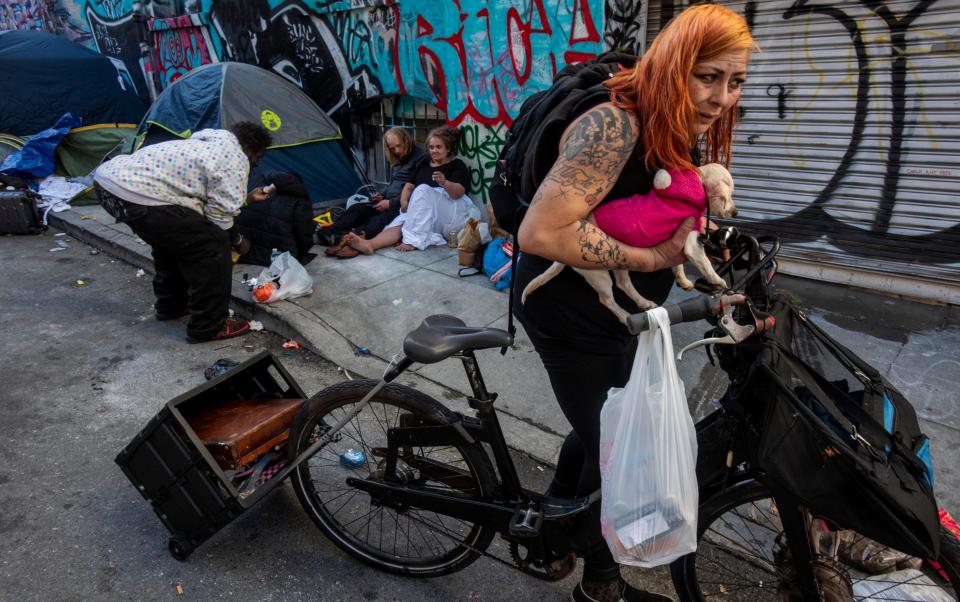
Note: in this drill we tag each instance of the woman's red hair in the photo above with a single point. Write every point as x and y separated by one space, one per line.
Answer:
656 88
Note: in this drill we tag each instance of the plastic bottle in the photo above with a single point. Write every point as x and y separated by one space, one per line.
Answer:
352 458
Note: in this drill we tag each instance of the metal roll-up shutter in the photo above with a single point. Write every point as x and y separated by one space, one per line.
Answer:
849 142
849 145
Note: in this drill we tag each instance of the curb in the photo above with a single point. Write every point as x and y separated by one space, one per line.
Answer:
324 341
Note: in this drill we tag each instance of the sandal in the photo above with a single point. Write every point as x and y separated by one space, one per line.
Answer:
346 252
335 247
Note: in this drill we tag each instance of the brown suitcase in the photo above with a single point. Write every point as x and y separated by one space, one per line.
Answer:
238 432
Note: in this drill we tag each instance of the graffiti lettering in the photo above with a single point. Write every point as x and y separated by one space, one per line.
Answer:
480 146
180 44
478 63
888 110
625 25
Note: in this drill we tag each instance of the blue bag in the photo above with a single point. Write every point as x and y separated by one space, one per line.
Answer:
496 262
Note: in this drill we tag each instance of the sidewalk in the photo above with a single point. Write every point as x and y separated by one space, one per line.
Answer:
372 302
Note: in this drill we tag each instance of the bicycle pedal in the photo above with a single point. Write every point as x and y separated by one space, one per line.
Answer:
526 522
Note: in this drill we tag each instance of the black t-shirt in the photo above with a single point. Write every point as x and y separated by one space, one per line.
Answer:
455 171
566 313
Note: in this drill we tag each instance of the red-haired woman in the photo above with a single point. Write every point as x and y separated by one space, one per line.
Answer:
676 106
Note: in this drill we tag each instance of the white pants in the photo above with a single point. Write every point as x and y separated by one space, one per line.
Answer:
431 214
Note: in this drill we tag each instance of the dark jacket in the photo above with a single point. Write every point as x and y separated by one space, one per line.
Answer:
401 173
284 222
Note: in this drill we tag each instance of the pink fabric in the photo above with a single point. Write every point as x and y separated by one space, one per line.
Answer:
646 220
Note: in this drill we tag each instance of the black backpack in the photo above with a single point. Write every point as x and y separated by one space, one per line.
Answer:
532 142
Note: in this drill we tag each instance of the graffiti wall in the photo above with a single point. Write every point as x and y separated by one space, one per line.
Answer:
179 45
37 15
476 60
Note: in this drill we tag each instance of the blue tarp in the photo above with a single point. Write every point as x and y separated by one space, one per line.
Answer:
37 157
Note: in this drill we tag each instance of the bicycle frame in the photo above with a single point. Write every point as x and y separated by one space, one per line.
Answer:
547 527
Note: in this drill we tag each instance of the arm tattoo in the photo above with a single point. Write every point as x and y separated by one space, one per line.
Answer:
593 153
597 247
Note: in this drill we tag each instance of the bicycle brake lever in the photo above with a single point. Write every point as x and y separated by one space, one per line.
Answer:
727 340
735 333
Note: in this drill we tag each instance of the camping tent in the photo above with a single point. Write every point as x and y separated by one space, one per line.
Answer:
47 76
305 140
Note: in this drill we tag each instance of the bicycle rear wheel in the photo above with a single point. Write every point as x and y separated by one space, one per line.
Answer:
740 557
406 541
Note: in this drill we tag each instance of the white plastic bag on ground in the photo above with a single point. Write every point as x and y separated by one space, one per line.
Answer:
288 278
648 457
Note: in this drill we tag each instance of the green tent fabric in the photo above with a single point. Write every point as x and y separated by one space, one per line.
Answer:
82 150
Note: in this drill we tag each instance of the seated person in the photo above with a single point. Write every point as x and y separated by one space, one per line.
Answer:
432 204
369 219
283 222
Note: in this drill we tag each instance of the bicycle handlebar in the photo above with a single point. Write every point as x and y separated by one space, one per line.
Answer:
691 310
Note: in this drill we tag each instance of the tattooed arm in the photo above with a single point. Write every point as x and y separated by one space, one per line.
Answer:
593 151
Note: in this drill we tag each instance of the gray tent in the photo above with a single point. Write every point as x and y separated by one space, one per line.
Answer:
305 140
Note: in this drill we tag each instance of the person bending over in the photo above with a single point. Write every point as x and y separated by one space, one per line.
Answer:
432 204
676 104
180 197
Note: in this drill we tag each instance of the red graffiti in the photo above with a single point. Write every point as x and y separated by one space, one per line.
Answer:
481 64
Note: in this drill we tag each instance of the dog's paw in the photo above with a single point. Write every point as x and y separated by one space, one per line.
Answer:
685 284
716 281
646 305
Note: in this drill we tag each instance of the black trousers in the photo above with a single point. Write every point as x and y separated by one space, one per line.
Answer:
580 383
363 217
191 259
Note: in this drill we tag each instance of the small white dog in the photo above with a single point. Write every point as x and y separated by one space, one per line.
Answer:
718 185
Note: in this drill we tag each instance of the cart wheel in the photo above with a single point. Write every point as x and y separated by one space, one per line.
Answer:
180 549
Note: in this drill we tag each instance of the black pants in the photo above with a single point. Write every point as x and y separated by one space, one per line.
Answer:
191 258
580 382
363 217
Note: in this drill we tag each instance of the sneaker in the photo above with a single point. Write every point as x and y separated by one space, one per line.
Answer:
628 593
231 328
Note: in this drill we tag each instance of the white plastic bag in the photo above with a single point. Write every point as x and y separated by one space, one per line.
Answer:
286 278
648 457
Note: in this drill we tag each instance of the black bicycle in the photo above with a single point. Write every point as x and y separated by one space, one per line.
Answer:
403 483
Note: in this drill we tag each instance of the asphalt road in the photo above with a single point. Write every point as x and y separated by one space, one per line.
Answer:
85 367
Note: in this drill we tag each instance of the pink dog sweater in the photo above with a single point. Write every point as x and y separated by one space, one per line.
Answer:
646 220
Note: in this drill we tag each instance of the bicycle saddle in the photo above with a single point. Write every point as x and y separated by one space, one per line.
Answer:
440 336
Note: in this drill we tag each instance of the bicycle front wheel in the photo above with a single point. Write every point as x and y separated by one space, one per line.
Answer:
740 556
408 541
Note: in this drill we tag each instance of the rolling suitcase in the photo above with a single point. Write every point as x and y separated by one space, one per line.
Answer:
238 432
18 212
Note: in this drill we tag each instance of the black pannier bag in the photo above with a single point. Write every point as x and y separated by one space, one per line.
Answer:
841 438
